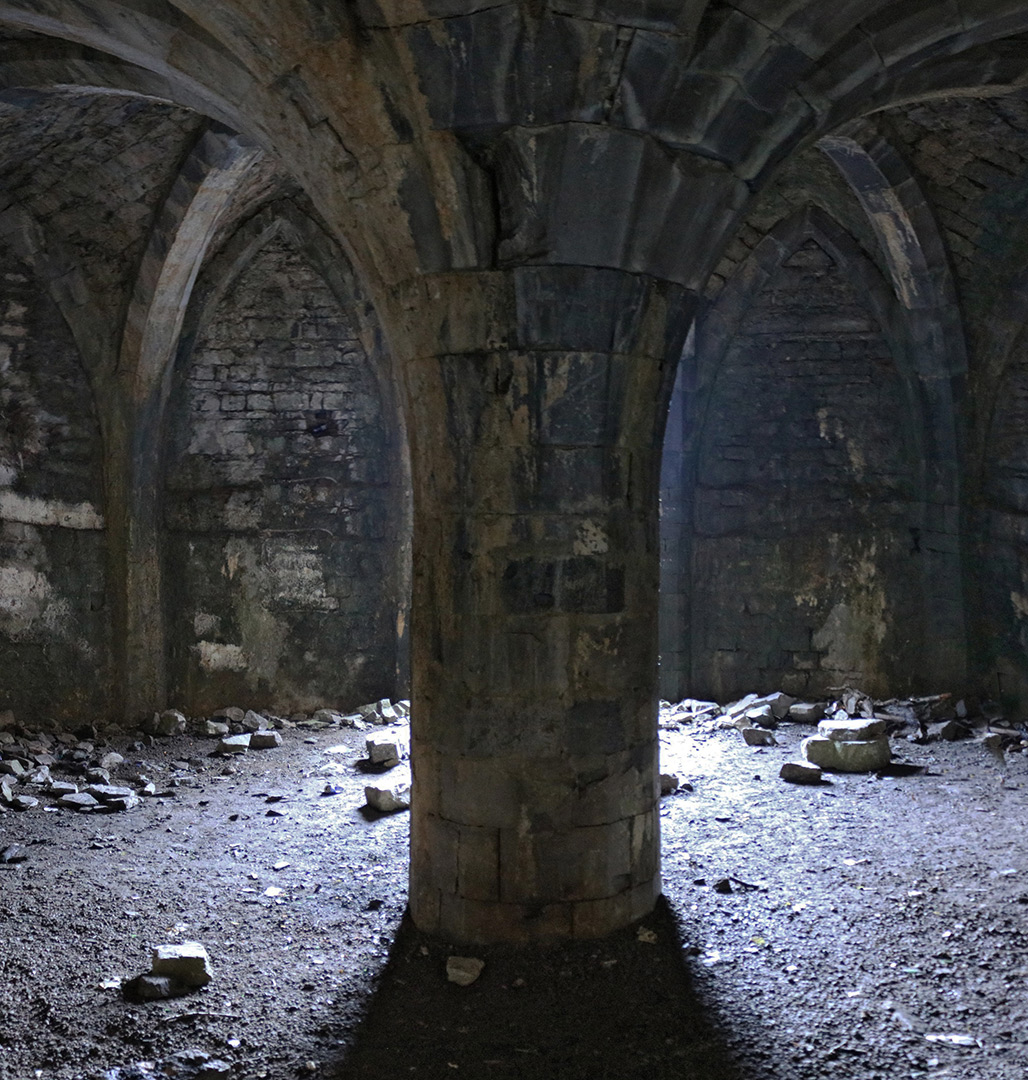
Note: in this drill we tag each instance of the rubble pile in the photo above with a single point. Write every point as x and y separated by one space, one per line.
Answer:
855 732
56 770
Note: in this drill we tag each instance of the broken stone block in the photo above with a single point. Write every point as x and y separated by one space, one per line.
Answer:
669 783
106 793
215 729
761 716
111 761
805 712
387 748
230 714
949 730
463 970
234 744
757 736
78 801
254 721
389 797
856 730
62 787
856 755
24 802
187 963
265 740
800 772
780 704
165 724
12 767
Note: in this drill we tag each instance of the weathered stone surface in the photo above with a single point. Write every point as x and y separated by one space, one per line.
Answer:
254 721
235 744
62 787
389 797
109 792
669 783
24 802
849 755
855 730
761 716
387 747
13 767
800 772
187 963
265 740
165 724
804 712
230 713
78 801
216 729
464 970
756 736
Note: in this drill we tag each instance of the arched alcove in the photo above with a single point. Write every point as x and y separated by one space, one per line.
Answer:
54 615
283 543
801 490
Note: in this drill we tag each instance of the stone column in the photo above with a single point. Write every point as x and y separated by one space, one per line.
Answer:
535 399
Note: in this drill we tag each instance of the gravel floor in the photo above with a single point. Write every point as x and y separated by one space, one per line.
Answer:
874 928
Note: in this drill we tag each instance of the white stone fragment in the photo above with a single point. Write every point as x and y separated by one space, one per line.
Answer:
187 963
463 970
864 755
805 712
389 797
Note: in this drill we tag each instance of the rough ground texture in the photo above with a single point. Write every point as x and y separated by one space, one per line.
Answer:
885 911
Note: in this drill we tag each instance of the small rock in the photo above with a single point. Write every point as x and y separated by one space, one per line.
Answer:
860 729
265 740
79 801
805 712
109 792
761 716
24 802
234 744
463 970
187 963
800 772
668 783
148 789
40 776
215 729
168 723
229 713
391 797
111 761
13 767
62 787
756 736
98 776
13 853
949 730
858 755
387 748
722 885
780 704
254 721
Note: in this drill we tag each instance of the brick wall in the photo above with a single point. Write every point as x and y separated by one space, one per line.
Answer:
54 630
282 503
803 564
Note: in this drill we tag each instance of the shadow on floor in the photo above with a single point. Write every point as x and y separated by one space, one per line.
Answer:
617 1009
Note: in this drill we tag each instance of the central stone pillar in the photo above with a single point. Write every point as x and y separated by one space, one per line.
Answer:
534 650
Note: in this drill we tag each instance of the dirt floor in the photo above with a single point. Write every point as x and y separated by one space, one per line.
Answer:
875 928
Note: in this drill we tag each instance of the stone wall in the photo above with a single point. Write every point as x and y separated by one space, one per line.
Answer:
54 615
284 503
803 568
